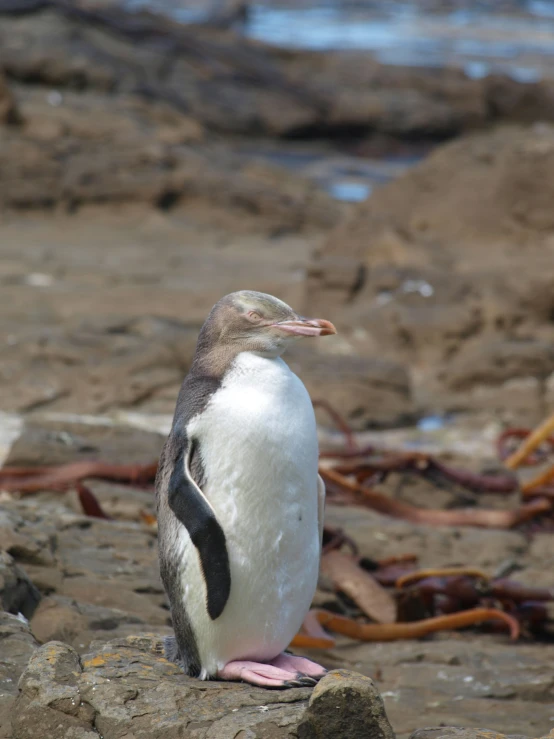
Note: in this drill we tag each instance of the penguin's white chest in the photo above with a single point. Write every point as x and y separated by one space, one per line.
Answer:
258 444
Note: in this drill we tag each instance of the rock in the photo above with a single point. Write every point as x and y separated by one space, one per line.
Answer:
89 589
451 732
121 149
49 696
25 548
106 574
230 84
462 679
520 400
95 349
123 361
17 592
48 442
541 551
9 112
55 621
77 623
46 579
549 393
368 391
378 536
344 705
448 275
126 688
493 362
18 645
25 542
110 574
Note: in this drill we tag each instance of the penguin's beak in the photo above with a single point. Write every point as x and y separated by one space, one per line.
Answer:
306 327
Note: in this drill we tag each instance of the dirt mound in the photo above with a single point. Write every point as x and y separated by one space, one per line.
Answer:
450 269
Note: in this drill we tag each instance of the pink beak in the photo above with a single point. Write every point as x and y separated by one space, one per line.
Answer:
307 327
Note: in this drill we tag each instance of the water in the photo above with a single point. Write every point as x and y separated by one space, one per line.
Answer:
431 423
350 191
515 39
348 178
479 41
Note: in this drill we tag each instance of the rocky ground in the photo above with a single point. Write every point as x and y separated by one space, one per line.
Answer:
451 275
91 591
143 174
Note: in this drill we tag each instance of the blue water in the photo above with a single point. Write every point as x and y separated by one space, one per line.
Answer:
479 40
475 40
350 192
431 423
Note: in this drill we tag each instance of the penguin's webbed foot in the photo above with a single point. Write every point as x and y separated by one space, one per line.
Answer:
285 671
302 666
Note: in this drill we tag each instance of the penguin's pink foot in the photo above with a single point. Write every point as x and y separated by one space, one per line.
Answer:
299 665
266 675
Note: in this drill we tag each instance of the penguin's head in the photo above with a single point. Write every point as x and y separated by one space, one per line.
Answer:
256 322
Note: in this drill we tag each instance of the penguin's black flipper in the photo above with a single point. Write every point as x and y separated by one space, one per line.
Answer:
192 509
182 649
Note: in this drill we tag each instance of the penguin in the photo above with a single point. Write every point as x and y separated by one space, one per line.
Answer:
239 499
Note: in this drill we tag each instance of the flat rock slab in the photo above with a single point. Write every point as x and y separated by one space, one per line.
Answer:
483 681
125 688
17 644
452 732
100 582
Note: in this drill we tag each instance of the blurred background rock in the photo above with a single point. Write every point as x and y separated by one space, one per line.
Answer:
388 165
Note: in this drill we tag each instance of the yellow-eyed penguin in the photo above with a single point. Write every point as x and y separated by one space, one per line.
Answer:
239 498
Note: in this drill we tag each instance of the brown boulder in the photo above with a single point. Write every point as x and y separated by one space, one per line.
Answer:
448 269
367 391
345 705
491 362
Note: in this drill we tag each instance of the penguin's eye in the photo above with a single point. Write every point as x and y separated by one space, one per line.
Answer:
254 316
